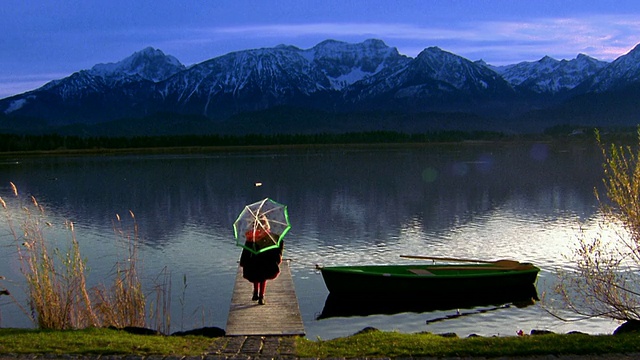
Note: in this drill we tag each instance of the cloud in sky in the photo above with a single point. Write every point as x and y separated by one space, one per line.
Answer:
603 37
69 36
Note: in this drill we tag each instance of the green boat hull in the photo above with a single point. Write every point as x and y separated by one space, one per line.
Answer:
427 279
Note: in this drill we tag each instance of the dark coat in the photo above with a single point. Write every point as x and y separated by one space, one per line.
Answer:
262 266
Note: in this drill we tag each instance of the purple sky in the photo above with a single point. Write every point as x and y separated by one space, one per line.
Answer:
42 40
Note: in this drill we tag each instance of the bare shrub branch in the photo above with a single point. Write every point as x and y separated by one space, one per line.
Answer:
605 282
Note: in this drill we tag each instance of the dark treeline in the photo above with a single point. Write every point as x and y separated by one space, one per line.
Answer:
53 142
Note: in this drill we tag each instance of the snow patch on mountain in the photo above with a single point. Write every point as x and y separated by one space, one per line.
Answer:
15 105
347 79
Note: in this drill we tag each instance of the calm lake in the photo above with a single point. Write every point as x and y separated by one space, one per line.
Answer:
348 205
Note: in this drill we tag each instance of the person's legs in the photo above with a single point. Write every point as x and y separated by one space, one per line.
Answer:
255 291
263 288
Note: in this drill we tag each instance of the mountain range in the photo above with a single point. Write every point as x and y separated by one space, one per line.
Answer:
331 87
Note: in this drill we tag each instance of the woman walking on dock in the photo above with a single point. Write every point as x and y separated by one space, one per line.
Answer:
262 266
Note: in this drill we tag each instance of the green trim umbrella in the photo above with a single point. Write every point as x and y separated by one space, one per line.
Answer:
261 226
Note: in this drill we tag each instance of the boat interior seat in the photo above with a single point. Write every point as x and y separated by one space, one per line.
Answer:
421 272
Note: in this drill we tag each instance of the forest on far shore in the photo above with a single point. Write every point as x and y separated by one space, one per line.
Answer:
55 142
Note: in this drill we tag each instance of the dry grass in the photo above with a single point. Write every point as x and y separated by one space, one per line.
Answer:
56 280
123 303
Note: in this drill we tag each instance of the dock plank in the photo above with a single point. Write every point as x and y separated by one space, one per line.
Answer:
280 315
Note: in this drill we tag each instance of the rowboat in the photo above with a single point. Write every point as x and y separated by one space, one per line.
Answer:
429 279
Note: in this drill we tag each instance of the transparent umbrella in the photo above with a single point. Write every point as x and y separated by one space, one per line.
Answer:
261 226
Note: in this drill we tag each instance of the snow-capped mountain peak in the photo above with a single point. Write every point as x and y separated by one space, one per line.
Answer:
345 64
448 68
549 75
149 64
622 72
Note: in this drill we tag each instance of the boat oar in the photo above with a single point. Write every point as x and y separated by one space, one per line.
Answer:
480 267
500 263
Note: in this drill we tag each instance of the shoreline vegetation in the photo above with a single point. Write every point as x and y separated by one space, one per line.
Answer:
368 343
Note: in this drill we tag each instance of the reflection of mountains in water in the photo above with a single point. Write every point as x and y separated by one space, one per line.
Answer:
372 304
338 190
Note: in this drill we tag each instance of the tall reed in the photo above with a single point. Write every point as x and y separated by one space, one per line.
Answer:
123 303
56 282
159 313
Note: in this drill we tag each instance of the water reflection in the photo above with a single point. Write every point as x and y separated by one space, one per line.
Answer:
347 205
377 304
345 191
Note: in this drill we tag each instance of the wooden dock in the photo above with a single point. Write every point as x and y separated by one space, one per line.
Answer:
280 315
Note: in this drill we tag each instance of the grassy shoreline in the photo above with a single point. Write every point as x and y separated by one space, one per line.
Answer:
365 344
392 344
